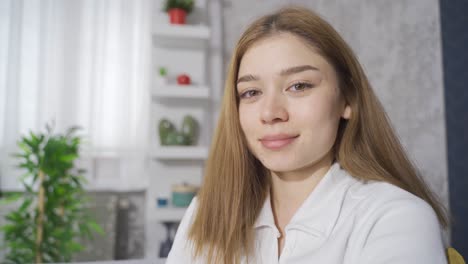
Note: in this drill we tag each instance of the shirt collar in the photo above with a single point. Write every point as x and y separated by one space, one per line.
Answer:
318 213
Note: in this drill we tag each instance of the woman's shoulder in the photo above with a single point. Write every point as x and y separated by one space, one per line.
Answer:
387 216
379 195
192 208
383 208
374 191
369 201
188 217
375 201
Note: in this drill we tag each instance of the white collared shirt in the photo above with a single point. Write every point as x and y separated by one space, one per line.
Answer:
343 221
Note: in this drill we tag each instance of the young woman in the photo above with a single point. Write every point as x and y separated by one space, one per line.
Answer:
304 166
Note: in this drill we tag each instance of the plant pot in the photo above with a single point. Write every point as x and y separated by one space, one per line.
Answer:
161 80
177 16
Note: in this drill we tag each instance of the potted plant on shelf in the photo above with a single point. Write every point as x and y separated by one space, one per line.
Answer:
52 214
161 77
178 10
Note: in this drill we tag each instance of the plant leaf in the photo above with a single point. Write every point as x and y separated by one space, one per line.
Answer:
94 226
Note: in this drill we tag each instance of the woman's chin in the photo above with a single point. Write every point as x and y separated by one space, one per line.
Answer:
279 166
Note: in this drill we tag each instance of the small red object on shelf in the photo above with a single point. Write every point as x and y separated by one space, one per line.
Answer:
183 79
177 16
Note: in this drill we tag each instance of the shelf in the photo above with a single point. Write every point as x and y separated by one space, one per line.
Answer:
168 214
179 91
182 31
110 153
177 36
180 152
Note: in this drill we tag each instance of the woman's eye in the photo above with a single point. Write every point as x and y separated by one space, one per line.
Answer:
249 94
301 86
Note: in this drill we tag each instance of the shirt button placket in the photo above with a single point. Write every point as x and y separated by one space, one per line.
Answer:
289 243
284 251
277 235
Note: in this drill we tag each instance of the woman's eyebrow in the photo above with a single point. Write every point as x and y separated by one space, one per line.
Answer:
248 78
298 69
288 71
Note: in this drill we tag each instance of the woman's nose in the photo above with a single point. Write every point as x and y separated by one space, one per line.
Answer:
273 109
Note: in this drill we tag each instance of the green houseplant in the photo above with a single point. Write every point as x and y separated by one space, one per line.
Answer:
52 215
178 10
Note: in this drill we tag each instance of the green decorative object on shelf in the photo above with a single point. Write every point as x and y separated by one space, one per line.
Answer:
169 136
165 128
182 140
162 71
190 129
53 215
175 138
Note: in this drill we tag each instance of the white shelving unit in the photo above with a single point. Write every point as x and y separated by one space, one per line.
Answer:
179 91
180 153
182 31
169 214
181 36
194 49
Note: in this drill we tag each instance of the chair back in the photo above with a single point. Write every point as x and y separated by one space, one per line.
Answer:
454 257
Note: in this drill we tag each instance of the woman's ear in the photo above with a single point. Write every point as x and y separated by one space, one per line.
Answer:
347 112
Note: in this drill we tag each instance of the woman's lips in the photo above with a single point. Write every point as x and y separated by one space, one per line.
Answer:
275 142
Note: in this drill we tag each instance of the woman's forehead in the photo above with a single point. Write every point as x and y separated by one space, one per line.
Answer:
274 54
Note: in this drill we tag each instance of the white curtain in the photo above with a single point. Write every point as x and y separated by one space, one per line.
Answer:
75 62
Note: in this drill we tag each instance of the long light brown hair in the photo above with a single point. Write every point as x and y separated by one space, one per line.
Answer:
236 183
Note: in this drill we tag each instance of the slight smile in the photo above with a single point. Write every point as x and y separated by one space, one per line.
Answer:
277 141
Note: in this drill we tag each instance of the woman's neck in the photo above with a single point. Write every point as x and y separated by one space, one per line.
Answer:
290 189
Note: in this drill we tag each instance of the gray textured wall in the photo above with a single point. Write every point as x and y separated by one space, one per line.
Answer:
398 43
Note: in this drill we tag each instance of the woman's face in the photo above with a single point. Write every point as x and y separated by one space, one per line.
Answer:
290 105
